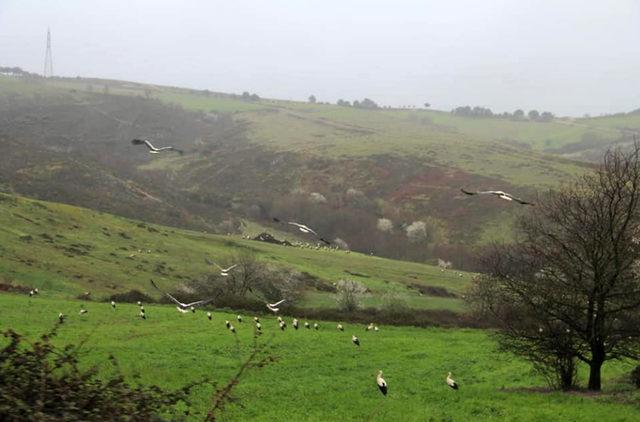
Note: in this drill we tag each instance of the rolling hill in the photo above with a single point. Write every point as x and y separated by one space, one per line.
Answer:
65 250
340 169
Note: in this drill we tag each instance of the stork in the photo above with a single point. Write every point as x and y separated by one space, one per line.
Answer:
500 194
382 384
451 383
153 149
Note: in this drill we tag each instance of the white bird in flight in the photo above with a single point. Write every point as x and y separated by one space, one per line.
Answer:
303 228
223 271
153 149
500 194
183 307
273 307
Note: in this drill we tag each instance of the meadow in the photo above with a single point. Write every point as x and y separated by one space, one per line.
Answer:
319 375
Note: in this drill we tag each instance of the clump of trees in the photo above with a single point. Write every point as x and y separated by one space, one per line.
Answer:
366 103
569 290
519 114
247 284
246 96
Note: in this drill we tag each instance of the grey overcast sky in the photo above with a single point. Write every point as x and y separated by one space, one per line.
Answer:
567 56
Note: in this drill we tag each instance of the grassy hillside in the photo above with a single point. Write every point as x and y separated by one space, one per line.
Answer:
320 375
65 250
67 139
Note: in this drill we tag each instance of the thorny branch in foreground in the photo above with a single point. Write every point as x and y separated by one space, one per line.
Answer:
223 394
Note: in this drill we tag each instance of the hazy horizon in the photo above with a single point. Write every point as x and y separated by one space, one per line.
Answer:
570 58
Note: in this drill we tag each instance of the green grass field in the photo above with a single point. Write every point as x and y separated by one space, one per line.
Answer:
65 250
320 375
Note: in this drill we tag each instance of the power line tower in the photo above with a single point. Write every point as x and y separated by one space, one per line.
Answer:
48 60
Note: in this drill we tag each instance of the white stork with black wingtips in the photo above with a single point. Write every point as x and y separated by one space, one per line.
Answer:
500 194
451 383
183 307
382 384
153 149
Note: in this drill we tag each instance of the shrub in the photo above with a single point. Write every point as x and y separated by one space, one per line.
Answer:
132 296
41 382
349 295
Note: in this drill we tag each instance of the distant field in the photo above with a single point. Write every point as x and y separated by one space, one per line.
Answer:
65 250
491 147
320 375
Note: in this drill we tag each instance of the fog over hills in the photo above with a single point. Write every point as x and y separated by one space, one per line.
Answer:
571 57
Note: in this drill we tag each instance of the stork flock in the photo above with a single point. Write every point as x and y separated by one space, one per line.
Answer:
184 307
282 325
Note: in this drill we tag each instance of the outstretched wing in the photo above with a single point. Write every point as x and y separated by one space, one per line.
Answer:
210 262
468 192
226 270
302 226
168 295
170 149
520 201
144 142
199 302
273 305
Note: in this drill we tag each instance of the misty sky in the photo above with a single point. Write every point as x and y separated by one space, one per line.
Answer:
567 56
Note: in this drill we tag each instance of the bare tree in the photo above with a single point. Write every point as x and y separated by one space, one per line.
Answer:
349 295
574 273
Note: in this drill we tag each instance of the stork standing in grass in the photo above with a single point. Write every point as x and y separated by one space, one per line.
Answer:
113 305
282 325
209 316
355 340
295 323
232 328
239 318
316 326
258 326
143 315
227 324
340 327
451 383
382 384
306 325
60 317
